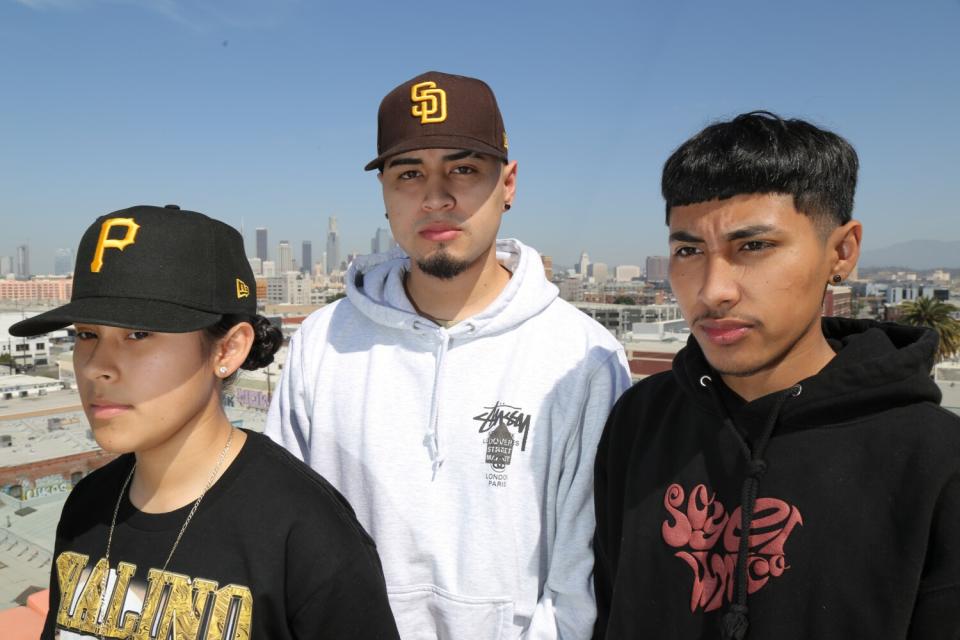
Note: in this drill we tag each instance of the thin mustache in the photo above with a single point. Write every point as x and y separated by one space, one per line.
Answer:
445 220
719 315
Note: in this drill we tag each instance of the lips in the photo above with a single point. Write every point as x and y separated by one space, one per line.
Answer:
725 332
439 232
106 410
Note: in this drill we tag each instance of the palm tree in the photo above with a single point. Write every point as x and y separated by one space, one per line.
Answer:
928 312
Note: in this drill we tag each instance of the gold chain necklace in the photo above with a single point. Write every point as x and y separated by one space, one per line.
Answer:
113 524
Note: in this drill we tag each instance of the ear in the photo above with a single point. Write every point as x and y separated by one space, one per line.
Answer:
509 177
844 246
232 349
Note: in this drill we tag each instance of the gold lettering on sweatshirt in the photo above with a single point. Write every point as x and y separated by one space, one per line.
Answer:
181 613
125 572
175 606
69 566
232 614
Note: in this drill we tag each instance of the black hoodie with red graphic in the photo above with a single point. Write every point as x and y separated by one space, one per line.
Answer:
848 483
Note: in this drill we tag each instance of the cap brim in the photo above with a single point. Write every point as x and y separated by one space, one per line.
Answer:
436 142
128 313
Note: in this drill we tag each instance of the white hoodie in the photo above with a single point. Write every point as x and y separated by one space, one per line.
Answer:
466 452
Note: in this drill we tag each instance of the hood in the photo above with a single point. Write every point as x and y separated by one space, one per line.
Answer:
375 288
878 366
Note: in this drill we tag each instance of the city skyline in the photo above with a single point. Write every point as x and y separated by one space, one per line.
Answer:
265 113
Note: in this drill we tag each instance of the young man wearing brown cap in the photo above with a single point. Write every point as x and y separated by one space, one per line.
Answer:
452 396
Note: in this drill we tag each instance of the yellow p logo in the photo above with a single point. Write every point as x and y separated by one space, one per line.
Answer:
429 102
106 242
243 290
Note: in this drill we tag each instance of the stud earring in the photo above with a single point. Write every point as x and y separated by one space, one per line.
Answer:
837 278
386 215
223 371
506 206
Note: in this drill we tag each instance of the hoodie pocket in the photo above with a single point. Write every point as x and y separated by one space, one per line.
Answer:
426 612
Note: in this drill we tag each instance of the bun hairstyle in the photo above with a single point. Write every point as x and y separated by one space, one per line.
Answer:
266 338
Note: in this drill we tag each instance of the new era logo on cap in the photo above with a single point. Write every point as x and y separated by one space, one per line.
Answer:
439 111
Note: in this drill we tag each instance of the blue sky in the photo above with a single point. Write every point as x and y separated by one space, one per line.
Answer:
265 111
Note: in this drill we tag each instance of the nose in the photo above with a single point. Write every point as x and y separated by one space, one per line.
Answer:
437 196
721 286
95 363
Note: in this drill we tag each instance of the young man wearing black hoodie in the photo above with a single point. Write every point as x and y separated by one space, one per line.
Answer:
821 439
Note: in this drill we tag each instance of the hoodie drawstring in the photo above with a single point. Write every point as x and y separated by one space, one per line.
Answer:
735 622
432 438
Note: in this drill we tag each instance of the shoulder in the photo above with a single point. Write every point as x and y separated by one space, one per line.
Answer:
95 493
656 388
933 429
327 325
299 493
635 405
574 319
322 317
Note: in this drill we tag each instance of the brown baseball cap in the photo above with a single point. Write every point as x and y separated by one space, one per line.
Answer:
439 111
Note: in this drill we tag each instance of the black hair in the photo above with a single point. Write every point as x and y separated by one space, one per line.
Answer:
760 152
266 338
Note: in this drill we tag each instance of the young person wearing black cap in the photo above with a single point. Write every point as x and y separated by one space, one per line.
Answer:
198 530
821 439
452 396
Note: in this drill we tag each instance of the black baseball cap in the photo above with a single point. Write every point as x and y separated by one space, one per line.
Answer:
154 269
439 111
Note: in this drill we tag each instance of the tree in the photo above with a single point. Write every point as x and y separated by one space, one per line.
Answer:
6 360
929 312
624 300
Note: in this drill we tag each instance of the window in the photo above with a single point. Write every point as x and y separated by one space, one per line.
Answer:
23 347
39 347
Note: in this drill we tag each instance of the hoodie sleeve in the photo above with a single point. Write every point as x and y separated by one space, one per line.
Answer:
567 609
288 421
936 613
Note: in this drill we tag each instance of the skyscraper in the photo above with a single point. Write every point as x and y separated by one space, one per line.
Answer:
6 266
333 246
262 244
626 272
285 255
598 271
382 241
22 266
657 268
306 255
584 263
62 262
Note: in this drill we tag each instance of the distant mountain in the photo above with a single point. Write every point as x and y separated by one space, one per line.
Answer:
915 254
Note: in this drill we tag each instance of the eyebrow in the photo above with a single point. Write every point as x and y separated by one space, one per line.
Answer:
738 234
750 232
684 236
453 157
399 161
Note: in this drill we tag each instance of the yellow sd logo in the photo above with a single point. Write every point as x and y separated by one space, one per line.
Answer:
243 290
429 102
106 242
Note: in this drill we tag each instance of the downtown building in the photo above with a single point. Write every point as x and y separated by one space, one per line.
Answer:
262 252
38 290
333 246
